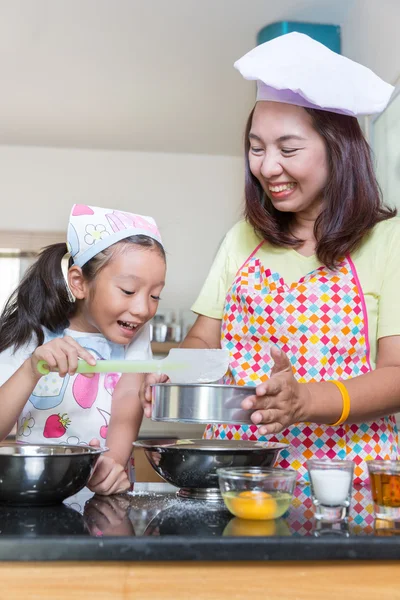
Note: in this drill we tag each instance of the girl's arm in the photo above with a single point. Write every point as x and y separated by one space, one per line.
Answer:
14 394
126 418
109 476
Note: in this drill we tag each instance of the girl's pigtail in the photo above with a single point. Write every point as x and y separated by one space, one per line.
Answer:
41 300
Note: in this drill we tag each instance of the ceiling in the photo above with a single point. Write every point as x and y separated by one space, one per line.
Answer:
146 75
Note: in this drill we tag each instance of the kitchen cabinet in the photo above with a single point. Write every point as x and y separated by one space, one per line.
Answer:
162 348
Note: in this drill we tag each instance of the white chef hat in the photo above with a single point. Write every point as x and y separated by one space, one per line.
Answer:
296 69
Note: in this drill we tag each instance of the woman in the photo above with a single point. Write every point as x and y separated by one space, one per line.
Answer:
304 292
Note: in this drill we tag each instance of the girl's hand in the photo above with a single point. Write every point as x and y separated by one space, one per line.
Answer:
145 390
108 515
280 401
109 477
61 355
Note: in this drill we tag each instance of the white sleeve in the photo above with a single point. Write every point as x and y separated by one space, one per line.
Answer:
11 361
140 348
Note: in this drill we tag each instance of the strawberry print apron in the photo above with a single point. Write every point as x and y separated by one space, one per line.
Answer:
321 323
73 409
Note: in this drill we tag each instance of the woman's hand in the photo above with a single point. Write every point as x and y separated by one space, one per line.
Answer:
61 355
280 401
109 477
145 391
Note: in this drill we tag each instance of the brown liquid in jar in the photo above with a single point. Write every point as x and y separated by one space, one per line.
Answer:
385 489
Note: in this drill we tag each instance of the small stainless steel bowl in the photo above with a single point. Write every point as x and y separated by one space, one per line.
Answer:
44 474
200 403
192 464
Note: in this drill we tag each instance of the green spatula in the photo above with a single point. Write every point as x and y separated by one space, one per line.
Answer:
182 365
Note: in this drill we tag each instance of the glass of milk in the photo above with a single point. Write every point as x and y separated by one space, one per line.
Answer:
331 487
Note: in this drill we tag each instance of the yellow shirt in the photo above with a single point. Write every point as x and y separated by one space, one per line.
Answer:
377 261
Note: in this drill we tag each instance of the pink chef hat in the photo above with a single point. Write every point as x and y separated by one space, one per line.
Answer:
92 229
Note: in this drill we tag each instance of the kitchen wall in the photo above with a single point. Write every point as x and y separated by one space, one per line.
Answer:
385 139
370 36
194 198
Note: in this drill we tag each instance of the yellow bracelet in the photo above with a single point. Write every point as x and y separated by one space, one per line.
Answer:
346 402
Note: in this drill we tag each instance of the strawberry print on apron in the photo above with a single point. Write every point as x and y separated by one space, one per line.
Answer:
321 323
73 409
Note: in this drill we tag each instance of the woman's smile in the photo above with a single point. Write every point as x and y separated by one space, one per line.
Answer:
280 191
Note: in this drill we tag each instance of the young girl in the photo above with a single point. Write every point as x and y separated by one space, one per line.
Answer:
99 310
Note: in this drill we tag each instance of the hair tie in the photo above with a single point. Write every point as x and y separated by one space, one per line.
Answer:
64 270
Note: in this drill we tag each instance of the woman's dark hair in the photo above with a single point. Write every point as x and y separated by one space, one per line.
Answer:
353 199
41 299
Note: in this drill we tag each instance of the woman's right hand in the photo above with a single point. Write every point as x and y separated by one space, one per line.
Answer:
61 355
145 390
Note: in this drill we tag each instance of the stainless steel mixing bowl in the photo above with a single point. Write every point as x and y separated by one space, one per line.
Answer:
191 465
46 474
200 403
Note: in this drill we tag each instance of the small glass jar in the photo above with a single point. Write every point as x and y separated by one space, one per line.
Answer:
384 477
331 485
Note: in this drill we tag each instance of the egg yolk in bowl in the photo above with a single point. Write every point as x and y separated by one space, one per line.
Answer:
256 504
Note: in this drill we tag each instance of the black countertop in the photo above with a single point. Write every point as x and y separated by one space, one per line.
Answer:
153 524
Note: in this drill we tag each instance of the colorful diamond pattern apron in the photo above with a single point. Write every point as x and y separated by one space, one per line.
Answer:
320 322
